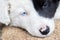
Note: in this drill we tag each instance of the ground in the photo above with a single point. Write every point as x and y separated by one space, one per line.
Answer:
11 33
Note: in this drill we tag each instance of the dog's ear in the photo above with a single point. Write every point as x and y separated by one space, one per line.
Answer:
38 3
56 0
4 16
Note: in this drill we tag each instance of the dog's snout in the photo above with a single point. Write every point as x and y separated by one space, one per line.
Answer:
44 30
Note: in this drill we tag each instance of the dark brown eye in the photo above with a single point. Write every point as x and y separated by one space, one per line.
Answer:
45 5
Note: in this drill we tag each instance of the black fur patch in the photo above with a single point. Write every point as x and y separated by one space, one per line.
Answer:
46 8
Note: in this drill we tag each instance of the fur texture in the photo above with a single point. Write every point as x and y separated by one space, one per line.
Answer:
23 13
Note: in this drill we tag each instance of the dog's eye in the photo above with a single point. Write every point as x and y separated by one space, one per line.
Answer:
45 5
24 14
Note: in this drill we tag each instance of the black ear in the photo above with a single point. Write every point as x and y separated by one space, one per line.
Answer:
56 0
38 3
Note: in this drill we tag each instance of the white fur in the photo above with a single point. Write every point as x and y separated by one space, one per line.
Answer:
57 14
32 22
4 17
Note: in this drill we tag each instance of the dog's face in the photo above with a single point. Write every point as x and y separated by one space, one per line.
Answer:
36 16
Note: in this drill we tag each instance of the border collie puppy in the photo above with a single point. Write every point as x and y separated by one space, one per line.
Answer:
36 16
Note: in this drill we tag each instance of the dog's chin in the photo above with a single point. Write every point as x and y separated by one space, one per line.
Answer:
40 35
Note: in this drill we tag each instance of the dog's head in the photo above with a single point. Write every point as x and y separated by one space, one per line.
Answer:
36 16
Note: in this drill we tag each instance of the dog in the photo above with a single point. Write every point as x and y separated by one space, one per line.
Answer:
36 16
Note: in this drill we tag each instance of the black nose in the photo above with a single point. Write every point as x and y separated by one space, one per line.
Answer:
46 31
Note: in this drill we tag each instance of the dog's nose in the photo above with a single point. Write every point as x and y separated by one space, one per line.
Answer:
44 30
